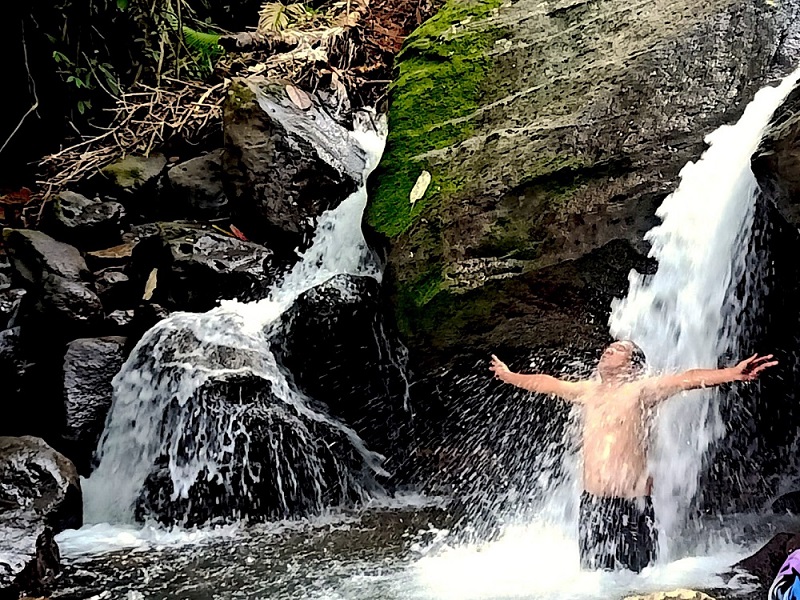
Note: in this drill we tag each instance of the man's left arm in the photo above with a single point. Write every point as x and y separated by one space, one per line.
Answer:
662 387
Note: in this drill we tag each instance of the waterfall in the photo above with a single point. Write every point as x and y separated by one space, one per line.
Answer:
687 315
170 429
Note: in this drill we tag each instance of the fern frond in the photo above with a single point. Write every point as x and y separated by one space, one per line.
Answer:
199 41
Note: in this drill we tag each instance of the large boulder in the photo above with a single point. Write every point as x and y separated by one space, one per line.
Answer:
89 366
549 129
284 163
334 342
204 425
40 496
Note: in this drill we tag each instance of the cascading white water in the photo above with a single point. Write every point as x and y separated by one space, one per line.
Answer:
160 395
685 315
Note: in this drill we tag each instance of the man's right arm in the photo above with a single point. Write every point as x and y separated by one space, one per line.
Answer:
543 384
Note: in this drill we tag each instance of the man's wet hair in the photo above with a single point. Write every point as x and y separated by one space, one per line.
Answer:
638 358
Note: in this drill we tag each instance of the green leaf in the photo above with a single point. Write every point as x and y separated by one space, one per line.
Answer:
122 4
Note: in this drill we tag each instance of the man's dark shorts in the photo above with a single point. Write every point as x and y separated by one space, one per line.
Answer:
617 533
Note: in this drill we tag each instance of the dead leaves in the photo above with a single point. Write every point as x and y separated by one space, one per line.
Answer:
12 204
298 97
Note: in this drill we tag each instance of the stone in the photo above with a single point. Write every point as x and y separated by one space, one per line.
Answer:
766 562
40 496
787 503
534 167
34 253
136 182
196 267
119 321
197 187
90 364
133 173
88 224
70 304
283 165
333 341
10 302
57 279
232 399
115 289
681 594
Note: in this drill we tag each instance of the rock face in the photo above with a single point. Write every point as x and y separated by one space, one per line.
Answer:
89 366
197 267
765 563
550 129
198 187
57 277
40 496
88 224
333 342
204 427
284 165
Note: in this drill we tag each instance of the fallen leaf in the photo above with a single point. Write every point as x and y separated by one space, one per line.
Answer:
150 286
298 97
21 196
420 187
238 233
121 251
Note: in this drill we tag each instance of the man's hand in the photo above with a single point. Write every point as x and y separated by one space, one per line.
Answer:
501 371
750 368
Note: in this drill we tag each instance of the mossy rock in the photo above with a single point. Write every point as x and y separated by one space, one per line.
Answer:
550 129
135 172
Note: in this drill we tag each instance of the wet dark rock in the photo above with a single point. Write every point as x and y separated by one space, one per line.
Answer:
333 342
89 366
70 304
765 563
136 182
197 187
34 254
88 224
788 503
284 166
40 496
284 458
115 289
119 321
10 302
57 280
196 267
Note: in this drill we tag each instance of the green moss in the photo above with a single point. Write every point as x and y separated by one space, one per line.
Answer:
441 80
240 96
134 171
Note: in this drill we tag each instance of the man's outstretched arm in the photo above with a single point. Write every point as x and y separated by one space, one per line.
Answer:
543 384
662 387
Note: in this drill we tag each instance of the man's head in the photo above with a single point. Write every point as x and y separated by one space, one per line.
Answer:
622 359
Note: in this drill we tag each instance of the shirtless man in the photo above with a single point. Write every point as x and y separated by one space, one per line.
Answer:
616 511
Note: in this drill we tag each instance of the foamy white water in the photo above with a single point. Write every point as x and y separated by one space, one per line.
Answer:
685 315
159 409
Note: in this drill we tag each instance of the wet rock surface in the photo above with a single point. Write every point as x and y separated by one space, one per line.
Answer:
284 165
198 189
88 224
333 342
89 366
40 496
196 267
532 168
